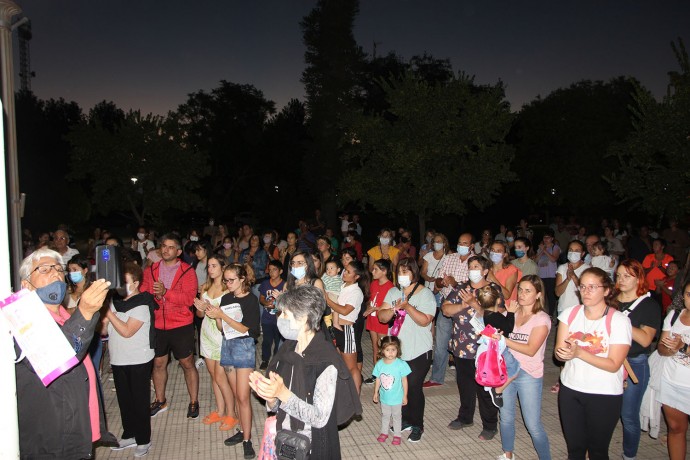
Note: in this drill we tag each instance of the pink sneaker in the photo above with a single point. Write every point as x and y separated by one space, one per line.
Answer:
396 441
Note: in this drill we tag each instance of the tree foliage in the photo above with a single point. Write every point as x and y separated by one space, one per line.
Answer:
226 125
654 161
332 76
142 165
43 156
439 148
561 142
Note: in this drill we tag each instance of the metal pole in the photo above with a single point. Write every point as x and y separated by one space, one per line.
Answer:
9 430
8 9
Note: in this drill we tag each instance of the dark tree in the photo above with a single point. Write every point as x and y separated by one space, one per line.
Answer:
334 63
653 162
561 142
227 125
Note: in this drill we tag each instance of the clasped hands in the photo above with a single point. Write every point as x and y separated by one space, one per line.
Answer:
269 388
570 351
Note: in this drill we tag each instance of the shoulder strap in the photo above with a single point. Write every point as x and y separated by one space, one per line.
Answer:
674 318
635 304
609 317
573 313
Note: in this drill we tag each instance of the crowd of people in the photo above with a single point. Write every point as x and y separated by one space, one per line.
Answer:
616 294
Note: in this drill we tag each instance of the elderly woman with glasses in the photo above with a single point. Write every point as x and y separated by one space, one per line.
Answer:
60 420
593 340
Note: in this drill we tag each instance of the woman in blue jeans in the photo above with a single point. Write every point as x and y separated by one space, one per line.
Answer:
644 314
527 343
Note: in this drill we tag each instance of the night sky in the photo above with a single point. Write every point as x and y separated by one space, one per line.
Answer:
150 54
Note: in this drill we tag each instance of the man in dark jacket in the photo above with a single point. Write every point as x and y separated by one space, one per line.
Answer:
55 421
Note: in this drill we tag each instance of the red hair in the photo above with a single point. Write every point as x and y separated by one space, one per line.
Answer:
634 268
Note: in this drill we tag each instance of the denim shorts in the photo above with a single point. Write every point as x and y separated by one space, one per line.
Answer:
239 353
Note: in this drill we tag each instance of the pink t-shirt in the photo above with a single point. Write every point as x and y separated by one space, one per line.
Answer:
533 365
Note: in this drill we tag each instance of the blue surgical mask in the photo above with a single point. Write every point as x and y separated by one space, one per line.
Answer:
438 246
52 294
76 277
286 330
510 239
298 272
495 257
463 250
384 241
475 275
519 253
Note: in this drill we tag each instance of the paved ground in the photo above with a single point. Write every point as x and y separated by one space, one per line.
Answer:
176 437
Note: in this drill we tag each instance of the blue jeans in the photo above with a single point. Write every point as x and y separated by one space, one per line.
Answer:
528 389
444 327
632 400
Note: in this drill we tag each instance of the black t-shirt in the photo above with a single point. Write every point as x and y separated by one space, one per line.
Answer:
251 311
646 313
504 323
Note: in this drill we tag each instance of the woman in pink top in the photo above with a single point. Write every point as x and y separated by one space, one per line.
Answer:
502 271
527 343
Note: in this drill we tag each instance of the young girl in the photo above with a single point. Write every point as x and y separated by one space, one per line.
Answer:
211 340
489 299
600 259
391 386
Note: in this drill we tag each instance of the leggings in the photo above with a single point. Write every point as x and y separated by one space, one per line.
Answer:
388 412
588 422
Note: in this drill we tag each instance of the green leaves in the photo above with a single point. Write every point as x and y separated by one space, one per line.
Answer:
437 149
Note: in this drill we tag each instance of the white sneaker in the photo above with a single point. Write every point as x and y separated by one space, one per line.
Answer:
125 443
142 450
503 457
200 363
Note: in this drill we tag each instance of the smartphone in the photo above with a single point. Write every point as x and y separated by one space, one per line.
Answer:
109 265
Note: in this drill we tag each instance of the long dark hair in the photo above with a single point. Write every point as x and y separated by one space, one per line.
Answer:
385 264
311 270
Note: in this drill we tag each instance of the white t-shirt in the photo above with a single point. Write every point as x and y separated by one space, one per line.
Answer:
143 247
604 262
135 349
71 252
677 367
415 339
351 295
569 297
591 335
433 267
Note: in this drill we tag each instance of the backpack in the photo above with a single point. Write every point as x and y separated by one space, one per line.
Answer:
491 367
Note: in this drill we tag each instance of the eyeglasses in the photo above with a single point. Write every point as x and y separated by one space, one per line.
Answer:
298 263
229 280
61 238
45 269
588 288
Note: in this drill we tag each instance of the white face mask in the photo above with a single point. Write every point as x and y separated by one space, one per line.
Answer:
141 236
438 246
476 276
129 289
574 257
385 241
404 281
193 238
267 240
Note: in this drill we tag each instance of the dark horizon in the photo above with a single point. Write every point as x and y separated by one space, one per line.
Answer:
150 55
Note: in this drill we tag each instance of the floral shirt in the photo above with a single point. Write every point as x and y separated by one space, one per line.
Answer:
463 339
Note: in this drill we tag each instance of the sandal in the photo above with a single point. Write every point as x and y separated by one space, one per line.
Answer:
556 388
228 423
211 418
382 437
396 441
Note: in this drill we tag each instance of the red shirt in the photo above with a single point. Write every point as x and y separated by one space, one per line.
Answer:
173 311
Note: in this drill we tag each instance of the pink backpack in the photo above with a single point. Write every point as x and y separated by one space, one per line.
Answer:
491 368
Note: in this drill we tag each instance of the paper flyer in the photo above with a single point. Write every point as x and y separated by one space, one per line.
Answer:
38 335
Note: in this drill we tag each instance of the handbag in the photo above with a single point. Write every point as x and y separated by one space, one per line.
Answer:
292 446
267 450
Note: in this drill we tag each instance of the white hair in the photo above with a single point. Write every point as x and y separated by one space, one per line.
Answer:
28 263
